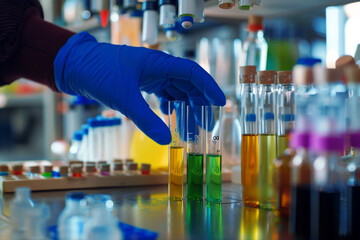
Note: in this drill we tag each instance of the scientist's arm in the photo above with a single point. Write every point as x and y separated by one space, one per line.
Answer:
28 44
112 74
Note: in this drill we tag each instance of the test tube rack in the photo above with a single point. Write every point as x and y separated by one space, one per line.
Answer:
125 178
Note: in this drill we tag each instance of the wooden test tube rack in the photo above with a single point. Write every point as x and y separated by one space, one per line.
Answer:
124 179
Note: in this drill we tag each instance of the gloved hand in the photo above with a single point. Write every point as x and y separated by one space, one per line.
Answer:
115 74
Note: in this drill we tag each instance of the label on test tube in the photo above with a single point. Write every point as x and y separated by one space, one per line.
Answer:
250 117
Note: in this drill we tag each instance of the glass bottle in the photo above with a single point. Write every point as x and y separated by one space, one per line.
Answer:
101 224
255 46
20 204
282 171
249 131
285 110
301 165
352 74
267 136
327 141
72 218
75 145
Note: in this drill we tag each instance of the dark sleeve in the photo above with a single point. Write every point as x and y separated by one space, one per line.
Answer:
28 44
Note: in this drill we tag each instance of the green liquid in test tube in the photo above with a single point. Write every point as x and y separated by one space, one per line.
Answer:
195 152
213 153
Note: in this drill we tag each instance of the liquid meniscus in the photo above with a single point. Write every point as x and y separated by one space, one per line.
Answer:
195 176
213 177
176 173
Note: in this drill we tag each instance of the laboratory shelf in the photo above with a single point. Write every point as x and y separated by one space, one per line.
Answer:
30 100
149 208
271 8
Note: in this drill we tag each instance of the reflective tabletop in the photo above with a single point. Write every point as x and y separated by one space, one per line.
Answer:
149 208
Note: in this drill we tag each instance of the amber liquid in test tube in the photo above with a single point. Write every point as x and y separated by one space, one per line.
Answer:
176 149
249 142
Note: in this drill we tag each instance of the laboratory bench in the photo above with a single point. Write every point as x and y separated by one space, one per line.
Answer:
149 208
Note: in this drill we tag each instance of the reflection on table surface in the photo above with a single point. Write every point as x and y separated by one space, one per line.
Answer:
149 207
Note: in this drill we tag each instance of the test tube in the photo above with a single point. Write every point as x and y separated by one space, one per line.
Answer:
47 171
267 137
285 110
35 172
226 4
213 115
176 111
248 4
195 152
94 139
249 130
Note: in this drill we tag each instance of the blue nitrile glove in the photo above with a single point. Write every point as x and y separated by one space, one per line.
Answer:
115 74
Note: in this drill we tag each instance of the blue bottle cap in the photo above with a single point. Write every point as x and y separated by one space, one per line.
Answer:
269 116
92 122
78 135
85 128
250 117
116 121
308 61
75 195
187 21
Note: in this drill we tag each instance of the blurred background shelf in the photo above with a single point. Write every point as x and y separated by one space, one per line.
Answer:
31 100
271 8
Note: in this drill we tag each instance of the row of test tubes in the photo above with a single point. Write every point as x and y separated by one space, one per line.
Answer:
200 128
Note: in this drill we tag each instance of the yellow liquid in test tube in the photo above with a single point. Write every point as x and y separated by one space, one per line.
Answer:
176 173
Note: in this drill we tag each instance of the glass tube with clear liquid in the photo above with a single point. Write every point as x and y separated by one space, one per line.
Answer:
176 112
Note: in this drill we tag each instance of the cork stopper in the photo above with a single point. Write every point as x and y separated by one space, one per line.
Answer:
128 160
326 75
284 77
352 74
17 168
63 170
132 166
145 167
35 169
76 168
255 20
76 162
47 169
344 61
4 168
90 168
303 75
105 168
266 77
118 160
90 163
118 167
247 74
